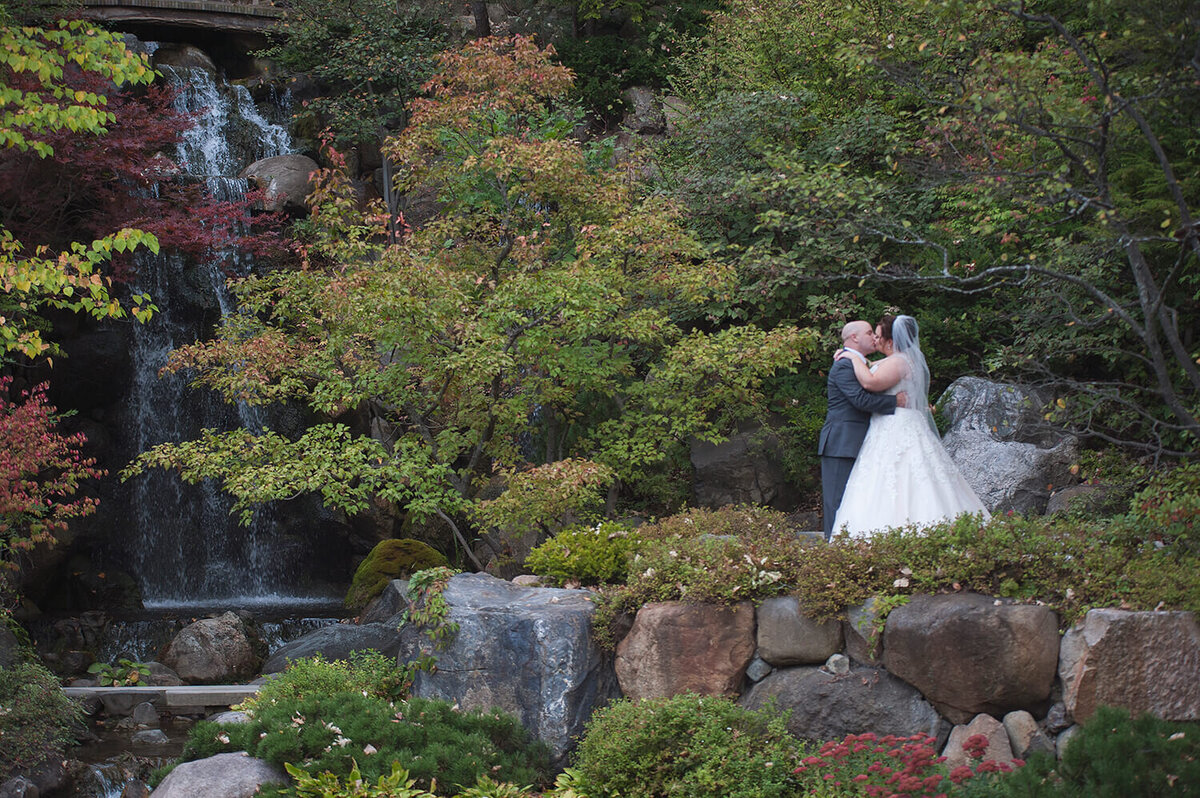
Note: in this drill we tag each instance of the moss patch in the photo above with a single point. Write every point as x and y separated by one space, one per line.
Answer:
390 559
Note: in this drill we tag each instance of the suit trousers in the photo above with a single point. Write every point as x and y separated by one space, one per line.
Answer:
835 471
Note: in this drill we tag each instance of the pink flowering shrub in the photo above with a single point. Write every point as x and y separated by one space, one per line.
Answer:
890 767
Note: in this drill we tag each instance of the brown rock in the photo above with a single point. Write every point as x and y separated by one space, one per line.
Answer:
969 653
285 179
212 651
677 648
786 636
1142 661
1024 736
998 749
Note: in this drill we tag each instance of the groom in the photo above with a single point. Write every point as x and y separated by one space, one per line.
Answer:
846 420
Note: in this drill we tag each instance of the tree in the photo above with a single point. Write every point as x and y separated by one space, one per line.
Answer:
36 101
545 314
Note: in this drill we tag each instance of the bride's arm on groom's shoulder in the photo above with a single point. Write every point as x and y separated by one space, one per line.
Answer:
888 372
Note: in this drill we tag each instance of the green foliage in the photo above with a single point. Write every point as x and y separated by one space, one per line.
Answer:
427 606
332 732
1114 756
701 747
1172 503
37 722
364 672
544 497
397 784
124 673
586 554
390 559
368 57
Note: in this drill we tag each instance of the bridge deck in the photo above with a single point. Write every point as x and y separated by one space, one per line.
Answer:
250 8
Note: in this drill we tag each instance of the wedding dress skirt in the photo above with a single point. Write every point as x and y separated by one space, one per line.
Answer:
903 475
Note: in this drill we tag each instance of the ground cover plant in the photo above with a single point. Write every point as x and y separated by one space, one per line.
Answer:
37 722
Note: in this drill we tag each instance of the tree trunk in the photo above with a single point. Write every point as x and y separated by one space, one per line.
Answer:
483 25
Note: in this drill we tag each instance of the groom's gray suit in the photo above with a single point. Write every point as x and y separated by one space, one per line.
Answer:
846 422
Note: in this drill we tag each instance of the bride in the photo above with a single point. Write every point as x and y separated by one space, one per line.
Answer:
902 474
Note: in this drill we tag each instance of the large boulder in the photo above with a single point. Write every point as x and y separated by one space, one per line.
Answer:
970 654
212 651
999 441
644 112
824 706
745 469
336 641
183 56
1142 661
786 636
236 775
528 651
676 648
285 180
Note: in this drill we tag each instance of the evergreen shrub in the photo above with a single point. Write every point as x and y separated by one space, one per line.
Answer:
390 559
336 732
687 745
1114 755
37 722
363 672
588 554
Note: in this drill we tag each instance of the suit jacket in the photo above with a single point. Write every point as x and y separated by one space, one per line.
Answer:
849 413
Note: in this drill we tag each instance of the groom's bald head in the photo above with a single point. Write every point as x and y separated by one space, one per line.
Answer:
859 336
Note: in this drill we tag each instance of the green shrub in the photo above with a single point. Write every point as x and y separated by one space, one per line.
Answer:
1170 505
688 745
390 559
590 555
334 733
1115 756
364 672
37 722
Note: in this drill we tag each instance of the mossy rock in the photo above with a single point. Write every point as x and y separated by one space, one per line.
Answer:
390 559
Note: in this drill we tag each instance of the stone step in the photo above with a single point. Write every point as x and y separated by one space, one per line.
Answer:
182 699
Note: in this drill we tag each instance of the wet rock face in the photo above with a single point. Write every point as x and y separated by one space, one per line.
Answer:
998 440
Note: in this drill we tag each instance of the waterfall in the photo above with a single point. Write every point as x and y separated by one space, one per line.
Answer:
182 545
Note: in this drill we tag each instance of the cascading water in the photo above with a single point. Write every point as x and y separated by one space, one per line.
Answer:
184 548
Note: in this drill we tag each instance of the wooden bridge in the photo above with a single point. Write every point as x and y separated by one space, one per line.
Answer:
255 16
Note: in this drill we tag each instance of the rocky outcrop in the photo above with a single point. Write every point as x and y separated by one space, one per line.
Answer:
864 632
212 651
183 56
998 440
644 112
744 469
1142 661
824 706
676 648
336 641
284 179
222 776
528 651
970 654
786 636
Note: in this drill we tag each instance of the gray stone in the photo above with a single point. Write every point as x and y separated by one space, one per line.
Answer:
285 180
838 664
10 647
1089 499
212 651
135 789
645 113
121 703
998 749
1006 452
1057 719
162 676
336 641
675 647
19 787
744 469
527 580
222 776
230 716
758 669
1142 661
864 633
970 654
824 706
786 636
388 604
528 651
1064 737
150 737
144 714
1024 735
183 56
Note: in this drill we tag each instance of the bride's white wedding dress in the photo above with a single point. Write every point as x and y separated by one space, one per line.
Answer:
903 475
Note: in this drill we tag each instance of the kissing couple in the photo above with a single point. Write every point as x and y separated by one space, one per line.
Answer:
882 460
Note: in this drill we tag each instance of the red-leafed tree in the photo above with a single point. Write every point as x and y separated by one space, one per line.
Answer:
40 474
